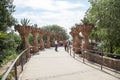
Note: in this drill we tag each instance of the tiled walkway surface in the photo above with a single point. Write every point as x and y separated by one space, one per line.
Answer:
51 65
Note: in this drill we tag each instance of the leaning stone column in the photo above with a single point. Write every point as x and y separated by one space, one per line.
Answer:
24 33
86 29
35 41
41 33
53 39
48 40
41 42
76 40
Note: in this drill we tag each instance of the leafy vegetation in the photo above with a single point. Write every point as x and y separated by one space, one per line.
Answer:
25 22
56 30
9 47
104 15
9 42
6 18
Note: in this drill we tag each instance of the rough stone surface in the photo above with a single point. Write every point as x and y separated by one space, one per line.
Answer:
106 61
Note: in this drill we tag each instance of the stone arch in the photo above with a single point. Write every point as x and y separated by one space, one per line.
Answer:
24 32
76 40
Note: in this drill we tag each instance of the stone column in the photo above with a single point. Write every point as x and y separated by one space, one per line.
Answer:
41 42
86 29
76 40
48 40
35 40
24 33
41 34
53 39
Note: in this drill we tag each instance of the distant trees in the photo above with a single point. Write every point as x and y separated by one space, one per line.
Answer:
104 14
57 30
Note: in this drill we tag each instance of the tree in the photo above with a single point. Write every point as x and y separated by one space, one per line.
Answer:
6 18
25 22
8 41
56 30
8 45
85 21
104 15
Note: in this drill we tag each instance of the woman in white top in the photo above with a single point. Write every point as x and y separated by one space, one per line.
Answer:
56 45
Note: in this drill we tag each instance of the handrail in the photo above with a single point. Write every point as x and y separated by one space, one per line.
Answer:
102 53
101 64
96 51
14 63
86 51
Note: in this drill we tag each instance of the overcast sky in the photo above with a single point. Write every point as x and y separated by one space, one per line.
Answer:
64 13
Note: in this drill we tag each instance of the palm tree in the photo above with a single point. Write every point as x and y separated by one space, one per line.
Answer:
25 22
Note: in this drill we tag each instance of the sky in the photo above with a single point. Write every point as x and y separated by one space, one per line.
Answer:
65 13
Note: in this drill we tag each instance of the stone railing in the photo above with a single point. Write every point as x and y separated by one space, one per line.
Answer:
98 58
105 61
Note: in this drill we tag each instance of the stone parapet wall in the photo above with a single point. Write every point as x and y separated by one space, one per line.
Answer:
106 61
111 63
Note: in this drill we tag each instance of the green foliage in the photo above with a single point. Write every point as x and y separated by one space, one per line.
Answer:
56 30
3 38
1 76
31 39
117 50
6 18
104 15
3 35
25 22
11 54
9 42
85 21
8 47
14 41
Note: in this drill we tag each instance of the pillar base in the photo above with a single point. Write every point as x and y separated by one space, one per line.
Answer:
35 49
41 47
77 50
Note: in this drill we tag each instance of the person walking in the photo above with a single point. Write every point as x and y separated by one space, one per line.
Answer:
56 45
68 45
65 45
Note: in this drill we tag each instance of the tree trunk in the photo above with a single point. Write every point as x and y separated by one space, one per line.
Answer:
111 48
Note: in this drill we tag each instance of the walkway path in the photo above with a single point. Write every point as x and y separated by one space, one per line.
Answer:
51 65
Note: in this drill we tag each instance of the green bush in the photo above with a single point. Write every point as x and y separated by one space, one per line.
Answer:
1 76
8 47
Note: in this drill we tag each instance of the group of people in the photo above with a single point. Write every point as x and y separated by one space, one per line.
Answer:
66 45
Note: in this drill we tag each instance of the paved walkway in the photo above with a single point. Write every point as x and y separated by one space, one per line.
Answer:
51 65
